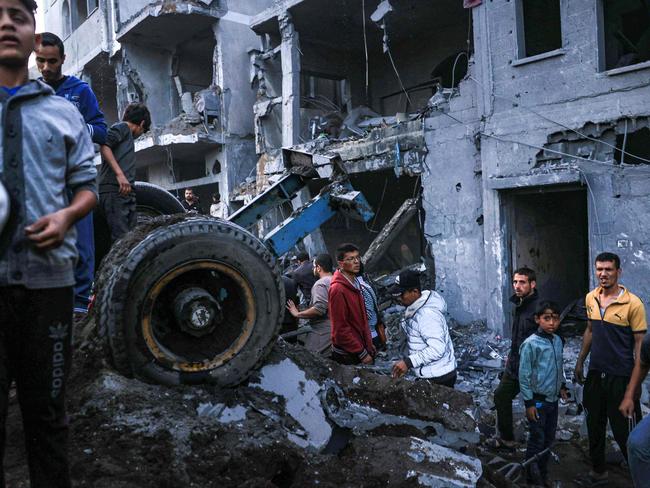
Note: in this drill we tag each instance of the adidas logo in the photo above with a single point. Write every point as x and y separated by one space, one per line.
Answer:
59 332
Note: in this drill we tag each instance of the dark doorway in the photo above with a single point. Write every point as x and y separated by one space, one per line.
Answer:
549 233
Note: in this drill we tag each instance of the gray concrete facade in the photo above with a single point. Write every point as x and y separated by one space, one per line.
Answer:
188 61
518 159
505 134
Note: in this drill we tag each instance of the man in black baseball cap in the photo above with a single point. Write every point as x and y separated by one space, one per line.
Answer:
407 280
431 352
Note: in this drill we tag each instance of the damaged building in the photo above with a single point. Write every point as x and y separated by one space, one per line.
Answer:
486 135
521 126
187 60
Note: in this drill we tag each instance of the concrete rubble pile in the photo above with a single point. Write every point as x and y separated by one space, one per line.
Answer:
299 421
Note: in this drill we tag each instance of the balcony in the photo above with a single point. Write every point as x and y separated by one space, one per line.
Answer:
86 42
161 23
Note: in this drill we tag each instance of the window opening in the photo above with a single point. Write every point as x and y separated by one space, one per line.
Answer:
65 16
626 32
637 143
539 26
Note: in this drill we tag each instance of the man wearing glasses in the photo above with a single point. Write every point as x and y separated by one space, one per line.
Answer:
351 337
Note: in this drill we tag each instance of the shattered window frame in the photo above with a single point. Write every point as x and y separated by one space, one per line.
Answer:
521 20
605 49
308 89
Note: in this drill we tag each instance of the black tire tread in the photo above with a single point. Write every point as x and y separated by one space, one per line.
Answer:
120 266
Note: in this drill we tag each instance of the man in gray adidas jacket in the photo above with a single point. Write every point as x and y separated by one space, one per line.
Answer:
431 352
46 155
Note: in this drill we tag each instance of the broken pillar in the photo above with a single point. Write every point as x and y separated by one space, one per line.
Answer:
291 113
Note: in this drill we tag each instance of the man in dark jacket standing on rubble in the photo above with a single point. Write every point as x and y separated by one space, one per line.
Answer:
303 275
351 337
525 299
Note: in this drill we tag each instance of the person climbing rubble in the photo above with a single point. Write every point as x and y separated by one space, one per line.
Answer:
615 330
542 382
351 338
430 350
525 298
117 172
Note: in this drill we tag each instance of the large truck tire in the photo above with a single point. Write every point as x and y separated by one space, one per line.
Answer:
188 300
151 201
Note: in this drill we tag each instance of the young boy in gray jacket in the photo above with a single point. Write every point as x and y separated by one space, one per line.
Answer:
542 382
46 155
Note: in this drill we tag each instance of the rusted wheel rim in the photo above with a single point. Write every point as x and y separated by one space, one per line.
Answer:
166 339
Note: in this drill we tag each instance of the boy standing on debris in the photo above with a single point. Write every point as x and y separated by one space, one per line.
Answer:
351 339
117 173
525 299
46 155
431 352
542 381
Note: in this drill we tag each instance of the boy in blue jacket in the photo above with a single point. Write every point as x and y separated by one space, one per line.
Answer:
542 382
50 56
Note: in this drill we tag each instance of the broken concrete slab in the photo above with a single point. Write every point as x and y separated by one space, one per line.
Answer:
389 233
354 395
301 401
423 463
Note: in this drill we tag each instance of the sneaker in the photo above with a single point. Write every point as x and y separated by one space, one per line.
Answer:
498 443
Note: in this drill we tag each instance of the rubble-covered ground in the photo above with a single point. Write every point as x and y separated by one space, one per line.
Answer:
300 421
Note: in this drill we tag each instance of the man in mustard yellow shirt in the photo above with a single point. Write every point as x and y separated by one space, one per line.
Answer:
615 330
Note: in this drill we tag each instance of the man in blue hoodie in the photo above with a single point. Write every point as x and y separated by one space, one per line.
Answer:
50 56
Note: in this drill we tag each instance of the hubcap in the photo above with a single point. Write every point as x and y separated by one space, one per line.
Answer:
198 316
196 311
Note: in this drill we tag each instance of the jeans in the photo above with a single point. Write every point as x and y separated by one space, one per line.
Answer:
120 211
35 350
541 435
638 453
505 393
84 272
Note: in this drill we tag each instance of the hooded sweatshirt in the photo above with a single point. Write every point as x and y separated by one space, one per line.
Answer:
347 311
47 155
81 96
431 352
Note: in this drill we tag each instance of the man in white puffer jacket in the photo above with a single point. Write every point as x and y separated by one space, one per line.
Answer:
431 352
